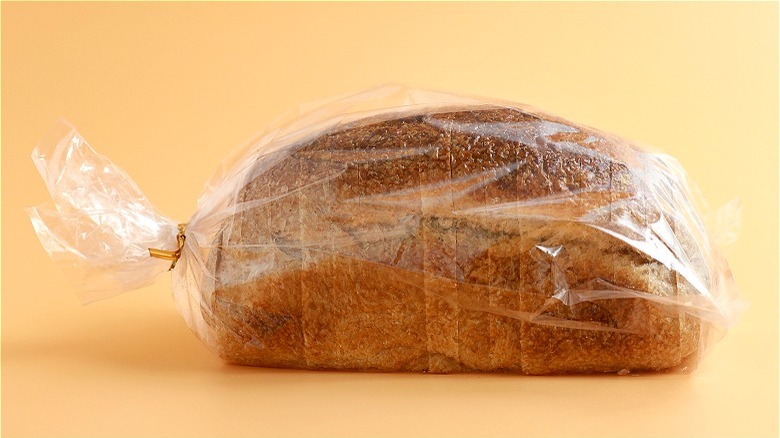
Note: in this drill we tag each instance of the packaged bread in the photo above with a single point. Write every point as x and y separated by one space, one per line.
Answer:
406 230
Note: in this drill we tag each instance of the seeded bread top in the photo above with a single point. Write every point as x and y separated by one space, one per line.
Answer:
362 189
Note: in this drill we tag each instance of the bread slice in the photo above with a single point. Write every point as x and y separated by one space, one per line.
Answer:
462 239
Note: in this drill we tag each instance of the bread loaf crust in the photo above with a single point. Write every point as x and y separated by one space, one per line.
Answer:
449 241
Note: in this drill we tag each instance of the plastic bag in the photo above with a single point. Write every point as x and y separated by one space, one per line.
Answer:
401 229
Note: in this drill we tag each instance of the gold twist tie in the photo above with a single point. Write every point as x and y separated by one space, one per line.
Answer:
173 256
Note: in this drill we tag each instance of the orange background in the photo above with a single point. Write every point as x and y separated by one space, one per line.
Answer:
167 90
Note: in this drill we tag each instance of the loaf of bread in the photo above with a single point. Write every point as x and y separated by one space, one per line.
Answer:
475 238
411 230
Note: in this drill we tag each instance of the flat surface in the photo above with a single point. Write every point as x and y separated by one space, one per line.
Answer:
168 90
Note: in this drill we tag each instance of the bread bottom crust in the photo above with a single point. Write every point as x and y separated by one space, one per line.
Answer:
347 314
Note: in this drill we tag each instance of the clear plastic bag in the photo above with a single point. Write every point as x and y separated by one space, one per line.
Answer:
401 229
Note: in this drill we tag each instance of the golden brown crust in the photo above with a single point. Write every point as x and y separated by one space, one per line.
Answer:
419 243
